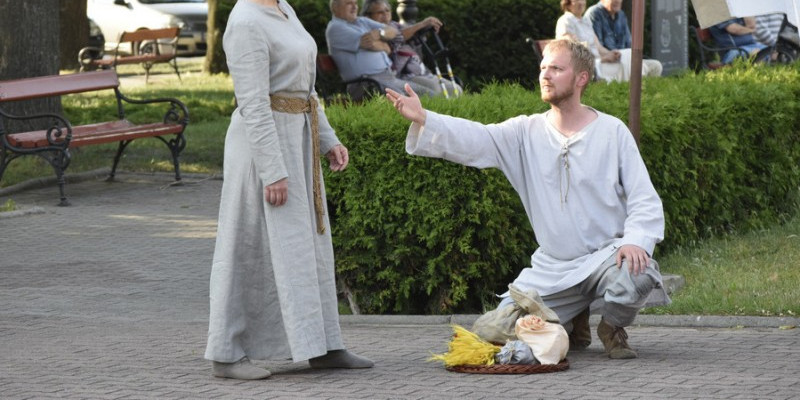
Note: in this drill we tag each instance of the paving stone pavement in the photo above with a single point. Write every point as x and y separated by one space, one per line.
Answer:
107 299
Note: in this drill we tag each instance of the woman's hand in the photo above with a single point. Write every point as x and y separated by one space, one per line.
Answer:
338 157
277 193
432 22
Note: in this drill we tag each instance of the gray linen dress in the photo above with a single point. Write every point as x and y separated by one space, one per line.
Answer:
272 290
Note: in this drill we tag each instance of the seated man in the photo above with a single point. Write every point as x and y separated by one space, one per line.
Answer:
359 47
585 188
737 32
405 60
611 27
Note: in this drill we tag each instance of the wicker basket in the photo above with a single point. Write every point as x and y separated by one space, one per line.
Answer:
563 365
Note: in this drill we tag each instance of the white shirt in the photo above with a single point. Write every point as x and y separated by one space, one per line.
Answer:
584 196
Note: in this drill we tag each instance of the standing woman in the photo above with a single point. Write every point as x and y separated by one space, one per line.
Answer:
272 291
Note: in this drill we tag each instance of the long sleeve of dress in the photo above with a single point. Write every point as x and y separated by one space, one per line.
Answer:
249 65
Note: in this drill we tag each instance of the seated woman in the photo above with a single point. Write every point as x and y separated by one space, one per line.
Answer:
610 65
407 63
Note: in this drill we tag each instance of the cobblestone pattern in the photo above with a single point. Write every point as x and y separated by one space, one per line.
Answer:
107 299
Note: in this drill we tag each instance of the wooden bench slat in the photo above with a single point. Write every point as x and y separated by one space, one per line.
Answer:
104 132
149 34
132 59
56 85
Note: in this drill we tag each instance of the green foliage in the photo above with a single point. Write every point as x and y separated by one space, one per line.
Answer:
9 205
416 235
749 274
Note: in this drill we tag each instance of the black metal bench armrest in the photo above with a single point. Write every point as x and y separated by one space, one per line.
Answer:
59 133
172 115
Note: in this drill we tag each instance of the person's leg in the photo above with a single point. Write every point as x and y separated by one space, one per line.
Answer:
432 83
651 67
624 295
388 80
340 359
241 369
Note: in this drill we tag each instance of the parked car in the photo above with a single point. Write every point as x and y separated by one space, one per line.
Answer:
117 16
96 43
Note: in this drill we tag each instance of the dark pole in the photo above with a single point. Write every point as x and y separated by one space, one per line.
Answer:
407 10
634 110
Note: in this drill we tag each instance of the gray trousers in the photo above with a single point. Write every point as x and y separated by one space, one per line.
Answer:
620 295
388 80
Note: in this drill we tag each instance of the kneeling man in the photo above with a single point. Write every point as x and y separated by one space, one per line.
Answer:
585 188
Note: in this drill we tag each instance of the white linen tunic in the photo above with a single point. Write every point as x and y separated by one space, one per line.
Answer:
585 196
272 290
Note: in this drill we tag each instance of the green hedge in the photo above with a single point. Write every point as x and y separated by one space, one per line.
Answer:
418 235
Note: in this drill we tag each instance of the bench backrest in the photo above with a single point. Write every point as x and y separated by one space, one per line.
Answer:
149 34
326 65
56 85
703 34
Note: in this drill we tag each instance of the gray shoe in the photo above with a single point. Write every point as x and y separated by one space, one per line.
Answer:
615 341
340 359
241 369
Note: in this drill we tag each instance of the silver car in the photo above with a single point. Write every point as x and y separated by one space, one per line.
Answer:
116 16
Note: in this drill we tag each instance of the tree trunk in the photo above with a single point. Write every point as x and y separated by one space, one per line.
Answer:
74 32
218 11
29 48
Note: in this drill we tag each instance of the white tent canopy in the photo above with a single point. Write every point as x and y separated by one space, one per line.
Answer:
712 12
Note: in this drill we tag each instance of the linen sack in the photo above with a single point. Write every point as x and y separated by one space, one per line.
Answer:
498 325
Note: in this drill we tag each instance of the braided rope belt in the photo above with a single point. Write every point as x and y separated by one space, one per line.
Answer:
293 105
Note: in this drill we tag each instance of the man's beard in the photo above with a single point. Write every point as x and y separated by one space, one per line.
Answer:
555 98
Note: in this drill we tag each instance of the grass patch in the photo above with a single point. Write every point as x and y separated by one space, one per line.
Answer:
9 205
745 274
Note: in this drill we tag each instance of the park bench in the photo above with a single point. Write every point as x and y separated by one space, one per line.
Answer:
331 88
54 143
147 47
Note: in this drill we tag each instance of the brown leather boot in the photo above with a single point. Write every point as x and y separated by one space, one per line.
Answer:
615 340
581 336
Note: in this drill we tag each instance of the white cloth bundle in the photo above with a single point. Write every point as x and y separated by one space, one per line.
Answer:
548 341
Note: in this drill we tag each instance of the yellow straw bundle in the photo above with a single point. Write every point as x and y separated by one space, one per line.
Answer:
466 348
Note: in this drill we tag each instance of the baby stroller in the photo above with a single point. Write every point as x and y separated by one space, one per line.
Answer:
420 41
788 45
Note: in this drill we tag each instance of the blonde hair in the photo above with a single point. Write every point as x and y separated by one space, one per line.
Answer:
582 59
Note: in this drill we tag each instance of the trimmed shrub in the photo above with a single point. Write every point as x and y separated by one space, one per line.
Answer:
419 235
